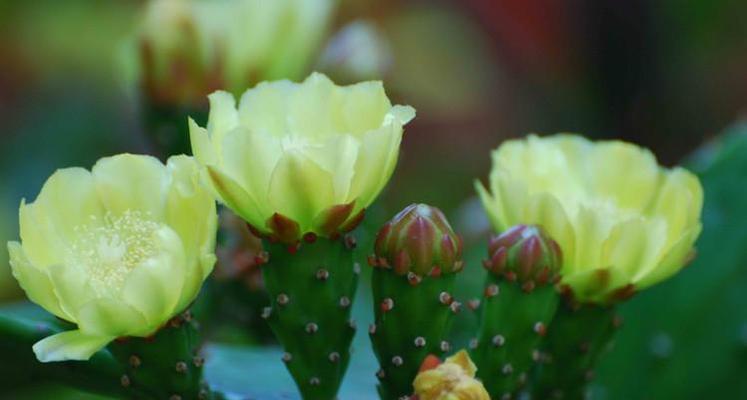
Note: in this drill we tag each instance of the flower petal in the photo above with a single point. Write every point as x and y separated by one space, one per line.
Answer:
202 146
156 286
300 189
35 282
109 317
70 345
71 284
235 197
377 157
132 182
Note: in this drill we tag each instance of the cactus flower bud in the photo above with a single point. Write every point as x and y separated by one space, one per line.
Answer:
624 222
301 159
419 240
454 379
118 251
525 253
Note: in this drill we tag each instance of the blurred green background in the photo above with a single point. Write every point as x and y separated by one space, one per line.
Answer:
667 74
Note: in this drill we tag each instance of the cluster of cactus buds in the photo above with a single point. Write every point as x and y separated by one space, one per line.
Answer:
520 301
417 256
311 287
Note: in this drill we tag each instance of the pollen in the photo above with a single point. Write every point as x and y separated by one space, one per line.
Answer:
109 248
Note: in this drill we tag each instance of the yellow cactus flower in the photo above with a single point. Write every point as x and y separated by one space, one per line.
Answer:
452 380
118 250
623 222
184 49
299 158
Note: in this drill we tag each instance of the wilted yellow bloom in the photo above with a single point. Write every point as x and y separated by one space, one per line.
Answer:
452 380
303 157
186 48
623 222
117 251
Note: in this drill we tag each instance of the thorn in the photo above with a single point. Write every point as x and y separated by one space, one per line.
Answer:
287 357
380 374
506 396
350 242
357 268
314 381
528 286
372 329
180 367
334 357
283 299
510 276
322 274
397 361
523 378
135 361
352 325
124 380
498 340
540 329
344 302
473 343
492 290
293 248
435 272
372 260
455 307
536 355
266 312
445 346
175 397
187 316
387 304
262 258
473 304
203 395
419 341
198 361
445 298
413 278
311 328
309 237
507 369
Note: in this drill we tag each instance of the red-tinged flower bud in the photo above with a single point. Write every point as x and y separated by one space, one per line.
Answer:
525 253
419 239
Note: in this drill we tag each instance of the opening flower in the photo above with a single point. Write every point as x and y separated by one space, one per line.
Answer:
452 380
298 158
118 250
623 222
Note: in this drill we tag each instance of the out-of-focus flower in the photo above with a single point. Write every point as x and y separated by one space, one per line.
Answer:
452 380
117 251
358 52
623 222
419 239
301 158
188 48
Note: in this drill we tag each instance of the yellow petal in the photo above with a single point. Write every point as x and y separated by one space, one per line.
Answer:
263 109
674 260
545 210
314 107
337 156
202 146
222 118
132 182
364 106
300 189
35 282
462 359
634 247
70 345
235 197
252 173
109 317
155 287
491 206
191 213
43 244
377 157
71 283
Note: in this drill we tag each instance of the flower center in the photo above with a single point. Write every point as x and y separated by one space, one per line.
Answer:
109 248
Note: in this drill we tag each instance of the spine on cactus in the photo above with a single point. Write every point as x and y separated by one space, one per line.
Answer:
520 301
312 284
417 256
581 333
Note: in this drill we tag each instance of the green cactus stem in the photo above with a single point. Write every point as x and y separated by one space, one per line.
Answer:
311 287
578 336
519 304
163 366
417 256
